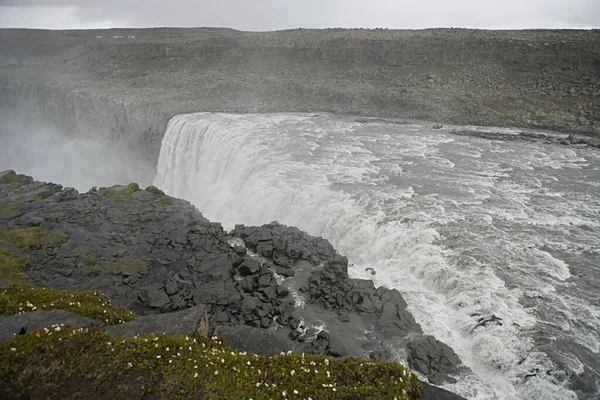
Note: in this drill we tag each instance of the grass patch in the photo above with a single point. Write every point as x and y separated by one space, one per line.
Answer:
90 262
11 267
92 304
24 237
118 194
62 362
44 194
153 189
11 178
131 189
9 207
132 266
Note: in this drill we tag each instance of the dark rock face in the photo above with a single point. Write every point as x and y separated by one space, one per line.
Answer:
159 257
38 319
267 342
176 323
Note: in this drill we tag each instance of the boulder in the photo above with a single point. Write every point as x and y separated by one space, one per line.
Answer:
434 359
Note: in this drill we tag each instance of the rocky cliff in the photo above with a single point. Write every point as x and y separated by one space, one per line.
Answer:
263 289
122 86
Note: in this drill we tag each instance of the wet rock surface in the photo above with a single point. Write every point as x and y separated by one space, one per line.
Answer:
261 288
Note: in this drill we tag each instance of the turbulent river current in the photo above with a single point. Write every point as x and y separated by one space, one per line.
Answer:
465 228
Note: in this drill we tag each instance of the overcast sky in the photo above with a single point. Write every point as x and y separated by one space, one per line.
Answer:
258 15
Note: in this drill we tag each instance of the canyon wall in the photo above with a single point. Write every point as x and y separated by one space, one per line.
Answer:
122 86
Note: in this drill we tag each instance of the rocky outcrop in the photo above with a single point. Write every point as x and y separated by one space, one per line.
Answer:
261 288
39 319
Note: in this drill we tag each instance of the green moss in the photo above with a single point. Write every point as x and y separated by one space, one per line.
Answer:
44 194
119 194
111 192
153 189
85 221
12 265
167 200
64 362
11 178
9 207
24 237
90 262
131 266
92 304
131 189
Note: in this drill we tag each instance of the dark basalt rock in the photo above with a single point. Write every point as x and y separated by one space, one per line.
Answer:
435 359
176 323
165 262
38 319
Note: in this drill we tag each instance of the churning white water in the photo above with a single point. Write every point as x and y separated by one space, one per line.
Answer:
465 228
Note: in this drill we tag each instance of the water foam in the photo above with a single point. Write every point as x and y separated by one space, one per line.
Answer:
403 204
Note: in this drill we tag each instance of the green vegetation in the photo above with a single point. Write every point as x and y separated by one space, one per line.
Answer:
117 192
92 304
63 362
153 189
12 263
131 189
111 192
8 207
85 221
130 266
24 237
11 178
44 194
90 262
166 201
11 267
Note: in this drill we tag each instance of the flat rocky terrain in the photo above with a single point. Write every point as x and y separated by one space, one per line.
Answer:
123 86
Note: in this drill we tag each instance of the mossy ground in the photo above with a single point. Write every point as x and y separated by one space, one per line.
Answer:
92 304
12 265
153 189
61 362
24 237
14 245
10 206
117 193
11 178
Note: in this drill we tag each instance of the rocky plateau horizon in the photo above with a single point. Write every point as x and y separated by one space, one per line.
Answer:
121 86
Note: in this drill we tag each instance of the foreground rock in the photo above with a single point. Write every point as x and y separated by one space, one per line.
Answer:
34 320
159 257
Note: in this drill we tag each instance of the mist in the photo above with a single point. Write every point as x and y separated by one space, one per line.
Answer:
80 163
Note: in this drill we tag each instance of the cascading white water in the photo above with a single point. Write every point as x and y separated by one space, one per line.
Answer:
388 197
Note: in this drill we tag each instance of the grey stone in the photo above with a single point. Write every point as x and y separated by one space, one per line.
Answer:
157 298
434 359
176 323
38 319
249 266
171 287
267 342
